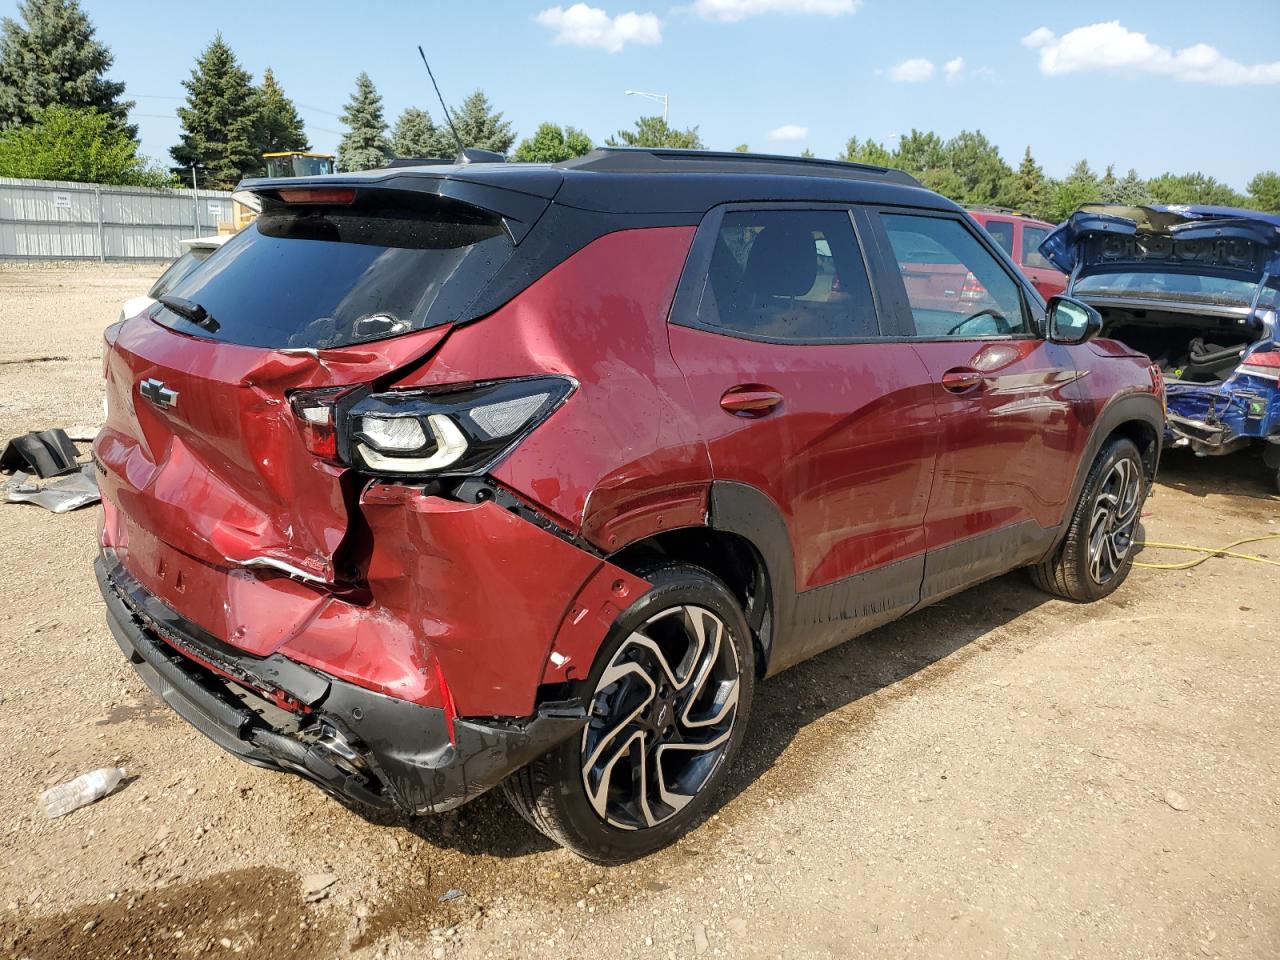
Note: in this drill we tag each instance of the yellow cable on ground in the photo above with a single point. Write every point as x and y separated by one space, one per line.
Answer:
1209 553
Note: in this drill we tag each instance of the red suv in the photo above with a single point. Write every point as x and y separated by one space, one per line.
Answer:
1020 237
440 478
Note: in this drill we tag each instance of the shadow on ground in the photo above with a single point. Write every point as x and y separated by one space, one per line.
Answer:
1241 474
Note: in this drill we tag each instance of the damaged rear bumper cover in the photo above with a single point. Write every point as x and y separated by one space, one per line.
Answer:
356 744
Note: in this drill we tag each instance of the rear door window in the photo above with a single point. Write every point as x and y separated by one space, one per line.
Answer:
1002 233
955 286
330 276
790 275
1032 237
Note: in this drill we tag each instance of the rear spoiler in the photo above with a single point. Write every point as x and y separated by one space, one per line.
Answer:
521 199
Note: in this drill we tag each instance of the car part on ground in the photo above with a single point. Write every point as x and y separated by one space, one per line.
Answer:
1209 553
1197 290
47 453
69 493
437 475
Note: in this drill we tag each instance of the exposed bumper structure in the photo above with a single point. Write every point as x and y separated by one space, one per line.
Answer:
356 744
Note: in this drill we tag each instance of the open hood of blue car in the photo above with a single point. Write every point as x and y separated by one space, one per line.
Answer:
1206 241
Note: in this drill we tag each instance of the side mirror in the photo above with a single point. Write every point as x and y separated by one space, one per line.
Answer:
1071 321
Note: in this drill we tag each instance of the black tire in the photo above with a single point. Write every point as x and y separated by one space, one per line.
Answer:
552 792
1071 573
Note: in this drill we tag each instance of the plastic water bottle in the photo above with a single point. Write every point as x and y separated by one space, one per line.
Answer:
81 791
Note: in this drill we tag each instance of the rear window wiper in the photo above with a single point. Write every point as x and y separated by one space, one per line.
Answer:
190 310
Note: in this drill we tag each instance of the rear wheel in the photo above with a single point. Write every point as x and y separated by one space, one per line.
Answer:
1097 552
669 696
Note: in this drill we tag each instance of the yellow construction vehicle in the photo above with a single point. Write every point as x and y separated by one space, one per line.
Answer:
289 163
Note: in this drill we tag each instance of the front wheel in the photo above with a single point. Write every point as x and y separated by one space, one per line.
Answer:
1097 553
668 697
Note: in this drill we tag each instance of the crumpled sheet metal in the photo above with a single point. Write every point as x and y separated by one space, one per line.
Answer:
61 496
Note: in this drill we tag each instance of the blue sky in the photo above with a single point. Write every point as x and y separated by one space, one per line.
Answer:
1171 85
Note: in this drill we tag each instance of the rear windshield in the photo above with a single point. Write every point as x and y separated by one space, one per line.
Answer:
336 275
179 269
1217 291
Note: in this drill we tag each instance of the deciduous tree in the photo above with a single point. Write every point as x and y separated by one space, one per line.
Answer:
551 144
79 144
1264 191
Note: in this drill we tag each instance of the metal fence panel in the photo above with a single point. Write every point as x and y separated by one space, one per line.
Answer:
55 220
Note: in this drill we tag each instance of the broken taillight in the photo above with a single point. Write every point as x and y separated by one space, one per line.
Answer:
314 411
1262 363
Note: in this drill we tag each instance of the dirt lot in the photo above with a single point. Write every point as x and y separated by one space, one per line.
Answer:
999 776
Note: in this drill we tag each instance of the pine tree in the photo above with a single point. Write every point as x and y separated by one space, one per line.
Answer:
1264 191
365 145
479 126
279 127
414 135
551 144
1131 190
656 132
867 151
55 60
219 121
1030 190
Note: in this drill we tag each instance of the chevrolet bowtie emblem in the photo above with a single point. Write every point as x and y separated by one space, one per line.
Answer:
155 391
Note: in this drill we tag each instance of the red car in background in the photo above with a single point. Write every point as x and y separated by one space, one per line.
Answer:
1020 237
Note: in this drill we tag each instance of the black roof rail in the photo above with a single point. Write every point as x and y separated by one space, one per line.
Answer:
666 160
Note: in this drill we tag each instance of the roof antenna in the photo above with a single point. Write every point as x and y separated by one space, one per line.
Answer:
448 119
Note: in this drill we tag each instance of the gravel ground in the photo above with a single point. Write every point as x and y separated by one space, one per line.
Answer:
1002 775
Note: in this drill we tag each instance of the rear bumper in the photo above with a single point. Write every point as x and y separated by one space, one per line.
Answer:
359 745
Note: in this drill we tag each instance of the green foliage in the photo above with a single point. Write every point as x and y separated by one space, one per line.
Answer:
1194 188
365 145
54 60
656 132
479 126
742 148
220 120
1264 191
414 135
976 164
1080 186
807 153
551 144
279 128
867 151
1129 190
79 144
1029 190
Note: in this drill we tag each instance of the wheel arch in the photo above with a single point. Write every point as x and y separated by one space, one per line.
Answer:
745 543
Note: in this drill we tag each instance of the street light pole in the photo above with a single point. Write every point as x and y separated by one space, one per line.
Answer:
658 97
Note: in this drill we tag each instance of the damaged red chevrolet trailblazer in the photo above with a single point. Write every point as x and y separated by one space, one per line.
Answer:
440 478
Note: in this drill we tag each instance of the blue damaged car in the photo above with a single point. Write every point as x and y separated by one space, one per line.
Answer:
1196 289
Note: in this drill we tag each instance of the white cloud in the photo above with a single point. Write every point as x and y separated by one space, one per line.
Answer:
915 70
788 131
953 68
1110 46
584 26
731 11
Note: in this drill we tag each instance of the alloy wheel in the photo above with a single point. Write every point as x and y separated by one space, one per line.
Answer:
662 717
1115 515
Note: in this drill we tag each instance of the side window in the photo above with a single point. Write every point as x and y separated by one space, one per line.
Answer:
788 275
956 288
1002 233
1032 237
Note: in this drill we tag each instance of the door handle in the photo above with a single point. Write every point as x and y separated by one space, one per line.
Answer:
750 400
961 380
